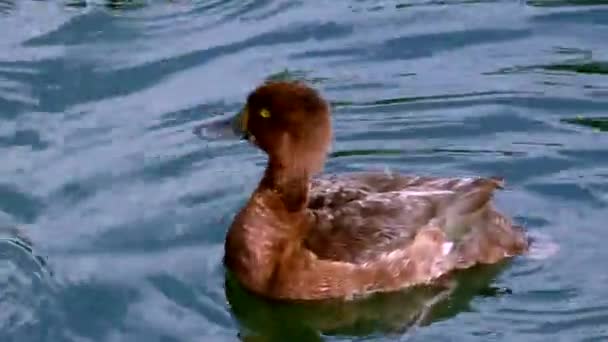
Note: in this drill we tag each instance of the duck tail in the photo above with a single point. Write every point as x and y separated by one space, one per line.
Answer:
465 208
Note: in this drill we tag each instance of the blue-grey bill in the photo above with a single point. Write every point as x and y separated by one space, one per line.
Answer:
225 127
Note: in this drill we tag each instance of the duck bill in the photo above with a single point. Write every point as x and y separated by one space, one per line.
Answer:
239 124
229 127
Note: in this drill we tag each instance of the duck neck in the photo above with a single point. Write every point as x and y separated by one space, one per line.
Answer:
289 183
269 229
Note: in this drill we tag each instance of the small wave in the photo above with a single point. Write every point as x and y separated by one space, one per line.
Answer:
542 246
23 280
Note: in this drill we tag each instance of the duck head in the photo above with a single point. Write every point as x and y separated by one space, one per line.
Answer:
290 122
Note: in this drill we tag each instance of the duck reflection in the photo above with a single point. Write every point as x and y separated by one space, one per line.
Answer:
395 314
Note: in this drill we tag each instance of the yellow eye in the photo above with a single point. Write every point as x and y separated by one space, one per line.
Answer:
265 113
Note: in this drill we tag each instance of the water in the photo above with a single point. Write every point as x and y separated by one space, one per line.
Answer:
126 209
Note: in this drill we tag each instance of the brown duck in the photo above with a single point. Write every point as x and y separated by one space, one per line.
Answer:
304 237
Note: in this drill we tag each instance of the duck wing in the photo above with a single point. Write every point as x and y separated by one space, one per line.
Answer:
359 217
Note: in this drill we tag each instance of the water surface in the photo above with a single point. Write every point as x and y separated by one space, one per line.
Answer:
127 210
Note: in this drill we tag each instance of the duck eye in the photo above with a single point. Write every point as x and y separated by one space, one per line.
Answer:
265 113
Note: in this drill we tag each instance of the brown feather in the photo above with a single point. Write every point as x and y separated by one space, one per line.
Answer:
300 237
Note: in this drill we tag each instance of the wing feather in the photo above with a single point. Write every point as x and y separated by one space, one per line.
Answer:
359 217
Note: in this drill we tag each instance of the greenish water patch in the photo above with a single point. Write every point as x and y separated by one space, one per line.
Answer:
560 3
295 75
394 152
382 314
584 68
596 123
576 66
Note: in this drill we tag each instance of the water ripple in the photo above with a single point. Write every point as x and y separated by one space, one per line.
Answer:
27 294
101 171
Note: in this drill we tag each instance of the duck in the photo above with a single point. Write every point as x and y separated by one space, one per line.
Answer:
303 235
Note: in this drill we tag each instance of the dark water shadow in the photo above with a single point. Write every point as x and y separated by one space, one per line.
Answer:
385 314
20 204
377 6
76 31
429 98
101 85
7 6
24 137
444 3
124 4
419 45
589 16
110 4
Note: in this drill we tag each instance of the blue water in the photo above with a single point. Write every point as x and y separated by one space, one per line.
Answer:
113 214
